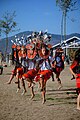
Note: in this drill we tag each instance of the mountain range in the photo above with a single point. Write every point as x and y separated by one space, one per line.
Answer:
55 39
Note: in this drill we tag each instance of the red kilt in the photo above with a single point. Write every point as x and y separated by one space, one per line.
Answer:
78 84
45 73
78 81
20 70
30 74
58 69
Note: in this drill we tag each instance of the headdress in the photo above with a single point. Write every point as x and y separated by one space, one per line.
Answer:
14 46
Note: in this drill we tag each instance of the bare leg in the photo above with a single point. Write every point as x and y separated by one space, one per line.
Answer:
23 85
18 87
32 92
43 92
11 77
18 82
17 77
41 82
60 85
30 85
30 82
43 89
59 81
39 85
78 102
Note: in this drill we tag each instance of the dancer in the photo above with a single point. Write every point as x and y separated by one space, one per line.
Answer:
17 72
31 66
18 69
45 70
75 70
58 65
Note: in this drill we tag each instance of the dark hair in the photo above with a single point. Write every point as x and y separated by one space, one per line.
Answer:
43 46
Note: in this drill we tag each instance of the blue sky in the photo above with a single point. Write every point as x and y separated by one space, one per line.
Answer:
36 15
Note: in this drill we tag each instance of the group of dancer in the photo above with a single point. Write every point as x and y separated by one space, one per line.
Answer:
35 63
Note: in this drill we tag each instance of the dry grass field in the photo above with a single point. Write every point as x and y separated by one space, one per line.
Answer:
60 104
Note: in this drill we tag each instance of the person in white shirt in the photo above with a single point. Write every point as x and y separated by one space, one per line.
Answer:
45 69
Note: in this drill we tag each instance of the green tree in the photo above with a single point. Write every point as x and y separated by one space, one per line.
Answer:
65 6
7 25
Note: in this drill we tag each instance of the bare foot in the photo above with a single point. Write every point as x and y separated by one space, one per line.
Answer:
43 101
59 87
78 108
9 82
24 91
32 96
17 90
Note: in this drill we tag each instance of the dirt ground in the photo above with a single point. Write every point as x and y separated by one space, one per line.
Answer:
60 104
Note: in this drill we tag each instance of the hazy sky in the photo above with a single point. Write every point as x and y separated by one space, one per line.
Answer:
36 15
